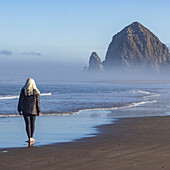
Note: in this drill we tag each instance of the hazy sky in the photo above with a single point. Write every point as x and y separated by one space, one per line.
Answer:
69 30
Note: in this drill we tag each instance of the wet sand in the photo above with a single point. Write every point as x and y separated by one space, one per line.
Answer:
132 143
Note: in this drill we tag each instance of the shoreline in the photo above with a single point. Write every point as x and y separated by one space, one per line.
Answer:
52 129
128 143
128 105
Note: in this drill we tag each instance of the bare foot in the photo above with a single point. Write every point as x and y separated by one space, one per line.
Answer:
30 144
32 140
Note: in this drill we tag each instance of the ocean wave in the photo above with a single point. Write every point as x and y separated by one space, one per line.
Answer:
146 93
135 104
141 91
45 94
152 95
16 97
8 97
9 115
43 114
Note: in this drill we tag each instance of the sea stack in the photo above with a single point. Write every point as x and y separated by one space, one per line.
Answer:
95 63
136 48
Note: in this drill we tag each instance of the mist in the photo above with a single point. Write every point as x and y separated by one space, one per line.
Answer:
68 72
43 71
126 75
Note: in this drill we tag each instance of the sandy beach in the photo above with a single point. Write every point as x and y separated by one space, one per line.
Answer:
132 143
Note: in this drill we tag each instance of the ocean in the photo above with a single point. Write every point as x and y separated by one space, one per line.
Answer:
72 110
72 98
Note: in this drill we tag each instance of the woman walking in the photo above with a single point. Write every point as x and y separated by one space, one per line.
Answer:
29 106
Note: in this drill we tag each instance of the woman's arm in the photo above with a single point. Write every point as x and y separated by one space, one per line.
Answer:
20 103
38 104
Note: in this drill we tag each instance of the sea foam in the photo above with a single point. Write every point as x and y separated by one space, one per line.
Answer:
16 97
135 104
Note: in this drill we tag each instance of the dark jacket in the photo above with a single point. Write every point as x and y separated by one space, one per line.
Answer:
29 104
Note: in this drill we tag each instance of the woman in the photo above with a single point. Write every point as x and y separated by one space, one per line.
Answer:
29 106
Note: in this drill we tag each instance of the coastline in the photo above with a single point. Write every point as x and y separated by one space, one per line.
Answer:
128 143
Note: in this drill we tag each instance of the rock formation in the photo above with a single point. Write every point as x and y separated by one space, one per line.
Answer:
95 62
136 47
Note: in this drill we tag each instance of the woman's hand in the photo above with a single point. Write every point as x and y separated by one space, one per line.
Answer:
20 113
38 114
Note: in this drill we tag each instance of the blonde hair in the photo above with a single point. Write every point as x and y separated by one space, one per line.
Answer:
30 87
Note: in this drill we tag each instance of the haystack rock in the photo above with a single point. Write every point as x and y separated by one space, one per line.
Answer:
95 63
136 47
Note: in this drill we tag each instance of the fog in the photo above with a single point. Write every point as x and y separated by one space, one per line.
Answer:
42 71
69 72
127 75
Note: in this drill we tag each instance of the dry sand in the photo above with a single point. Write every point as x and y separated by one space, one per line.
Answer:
129 144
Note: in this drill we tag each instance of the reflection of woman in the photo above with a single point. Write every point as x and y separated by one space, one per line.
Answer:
29 106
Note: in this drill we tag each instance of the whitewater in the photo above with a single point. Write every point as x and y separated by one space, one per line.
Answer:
68 99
